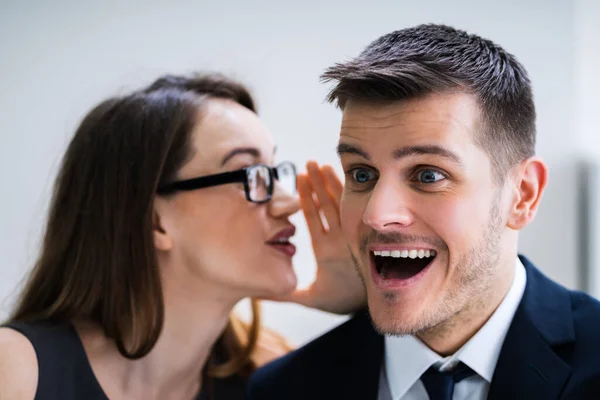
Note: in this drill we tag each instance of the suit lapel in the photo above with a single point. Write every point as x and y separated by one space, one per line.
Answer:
359 368
528 366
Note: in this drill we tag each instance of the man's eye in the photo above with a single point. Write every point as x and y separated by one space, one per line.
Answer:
429 176
361 175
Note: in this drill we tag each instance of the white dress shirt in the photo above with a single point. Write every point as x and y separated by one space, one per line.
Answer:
407 358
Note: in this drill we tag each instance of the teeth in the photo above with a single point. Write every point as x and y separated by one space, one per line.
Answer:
414 253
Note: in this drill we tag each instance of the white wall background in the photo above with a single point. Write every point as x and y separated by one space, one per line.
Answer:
59 58
587 122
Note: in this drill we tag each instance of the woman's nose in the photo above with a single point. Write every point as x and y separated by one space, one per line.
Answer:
283 203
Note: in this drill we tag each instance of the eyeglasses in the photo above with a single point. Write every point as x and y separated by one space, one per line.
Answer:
258 181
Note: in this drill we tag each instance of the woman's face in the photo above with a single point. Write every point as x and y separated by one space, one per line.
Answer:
214 235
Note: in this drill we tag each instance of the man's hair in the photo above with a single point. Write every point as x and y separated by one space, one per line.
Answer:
426 59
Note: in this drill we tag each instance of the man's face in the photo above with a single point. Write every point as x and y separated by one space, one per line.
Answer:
421 211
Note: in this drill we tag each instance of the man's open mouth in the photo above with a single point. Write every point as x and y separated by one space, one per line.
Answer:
401 264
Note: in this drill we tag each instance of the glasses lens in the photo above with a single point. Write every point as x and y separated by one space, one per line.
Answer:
286 174
259 182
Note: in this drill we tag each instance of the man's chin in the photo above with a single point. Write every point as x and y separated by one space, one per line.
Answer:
393 323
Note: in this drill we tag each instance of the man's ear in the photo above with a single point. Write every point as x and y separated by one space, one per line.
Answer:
530 181
162 239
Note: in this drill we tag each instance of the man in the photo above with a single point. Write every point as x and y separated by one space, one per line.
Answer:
437 144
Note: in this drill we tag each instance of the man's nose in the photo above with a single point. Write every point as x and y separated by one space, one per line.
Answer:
388 208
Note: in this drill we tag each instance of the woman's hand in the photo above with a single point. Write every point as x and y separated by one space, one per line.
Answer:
337 287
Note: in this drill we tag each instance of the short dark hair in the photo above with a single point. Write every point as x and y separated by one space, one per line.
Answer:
97 260
430 58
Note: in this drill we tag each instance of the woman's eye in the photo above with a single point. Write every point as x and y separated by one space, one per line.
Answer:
362 175
429 176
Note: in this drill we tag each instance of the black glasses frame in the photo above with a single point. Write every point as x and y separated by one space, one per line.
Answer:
238 176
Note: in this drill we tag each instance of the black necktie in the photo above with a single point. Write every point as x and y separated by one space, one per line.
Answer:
440 385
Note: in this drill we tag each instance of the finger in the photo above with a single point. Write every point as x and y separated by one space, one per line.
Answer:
326 199
309 208
333 183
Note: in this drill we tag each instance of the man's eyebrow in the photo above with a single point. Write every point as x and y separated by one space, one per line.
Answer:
254 152
345 148
425 150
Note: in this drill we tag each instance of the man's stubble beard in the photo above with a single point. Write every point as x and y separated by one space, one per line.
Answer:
475 274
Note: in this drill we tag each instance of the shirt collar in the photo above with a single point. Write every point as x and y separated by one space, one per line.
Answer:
407 358
481 352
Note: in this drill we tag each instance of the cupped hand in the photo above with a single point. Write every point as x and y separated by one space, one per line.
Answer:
337 287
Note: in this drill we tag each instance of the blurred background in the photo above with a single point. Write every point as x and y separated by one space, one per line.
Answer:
60 58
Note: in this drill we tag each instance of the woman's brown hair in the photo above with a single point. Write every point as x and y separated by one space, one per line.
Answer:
98 261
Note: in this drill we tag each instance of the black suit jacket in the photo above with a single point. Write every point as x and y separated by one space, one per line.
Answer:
551 351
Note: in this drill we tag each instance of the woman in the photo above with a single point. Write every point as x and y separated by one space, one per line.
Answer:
166 212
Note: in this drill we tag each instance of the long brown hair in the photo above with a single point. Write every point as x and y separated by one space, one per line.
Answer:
98 261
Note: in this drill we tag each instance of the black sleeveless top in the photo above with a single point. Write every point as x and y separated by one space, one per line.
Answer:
66 374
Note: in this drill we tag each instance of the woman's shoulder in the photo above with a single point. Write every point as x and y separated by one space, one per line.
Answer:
18 366
270 346
44 357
